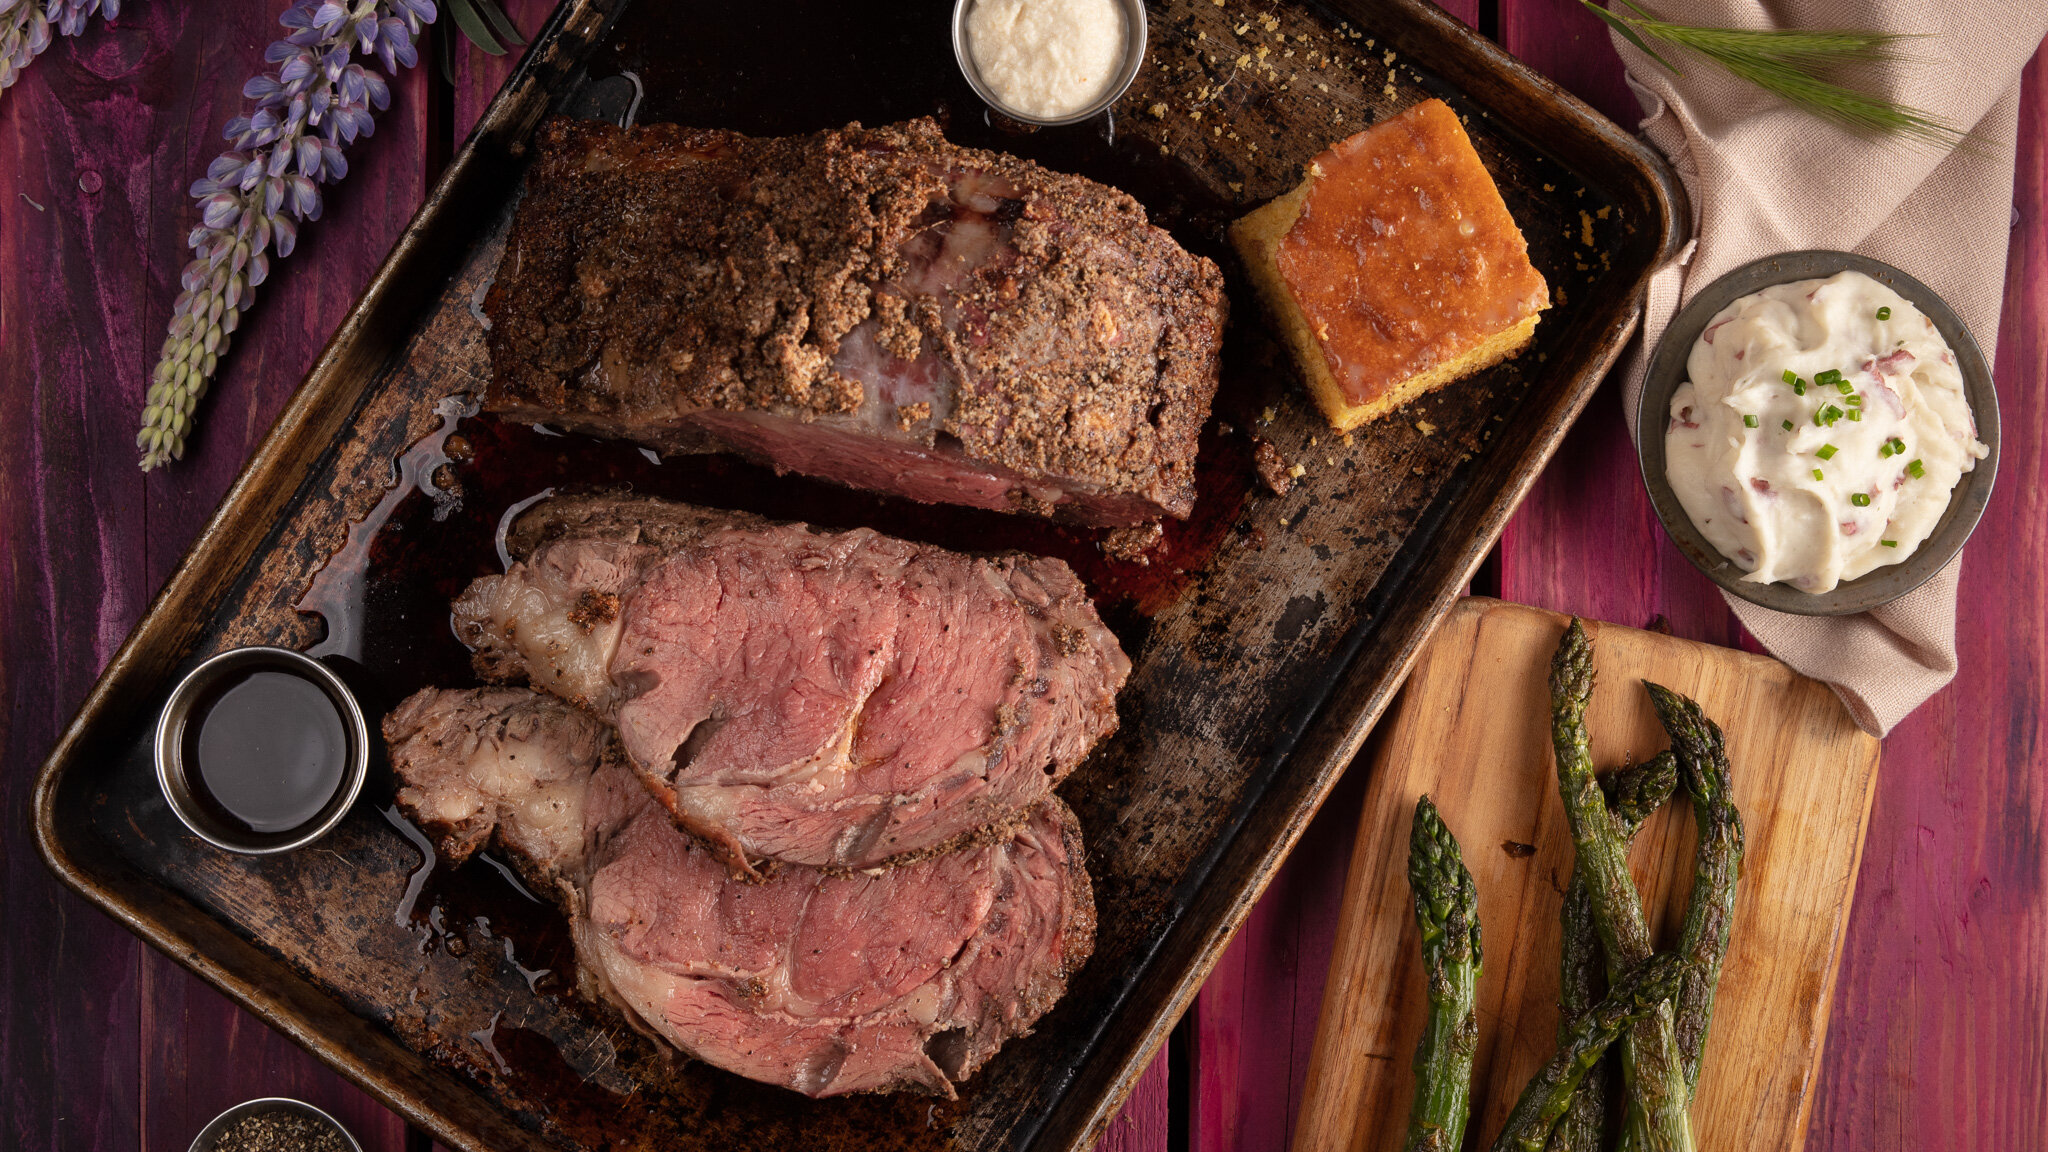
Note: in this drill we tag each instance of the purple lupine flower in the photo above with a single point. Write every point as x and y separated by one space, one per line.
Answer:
315 101
26 27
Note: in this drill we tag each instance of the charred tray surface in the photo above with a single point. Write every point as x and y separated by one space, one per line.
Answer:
1267 632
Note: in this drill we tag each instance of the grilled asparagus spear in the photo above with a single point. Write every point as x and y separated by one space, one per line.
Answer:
1635 794
1447 912
1703 756
1658 1098
1635 997
1632 795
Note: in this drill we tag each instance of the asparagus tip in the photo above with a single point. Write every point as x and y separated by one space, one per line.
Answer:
1571 669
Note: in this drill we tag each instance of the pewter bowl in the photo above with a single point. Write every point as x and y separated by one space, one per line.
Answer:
1668 370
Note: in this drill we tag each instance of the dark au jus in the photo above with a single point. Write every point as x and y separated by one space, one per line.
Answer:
265 751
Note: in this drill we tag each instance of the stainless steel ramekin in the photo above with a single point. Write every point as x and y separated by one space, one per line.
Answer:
1136 34
172 771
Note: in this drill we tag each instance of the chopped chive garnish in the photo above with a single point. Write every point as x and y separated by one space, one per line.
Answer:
1855 413
1831 376
1799 387
1885 449
1860 499
1855 400
1817 475
1889 543
1844 387
1748 421
1827 452
1915 470
1884 314
1788 425
1790 376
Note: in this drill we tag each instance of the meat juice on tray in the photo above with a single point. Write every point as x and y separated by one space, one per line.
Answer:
841 1058
845 725
432 547
718 695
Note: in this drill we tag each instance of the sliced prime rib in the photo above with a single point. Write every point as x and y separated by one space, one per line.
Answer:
834 699
875 307
827 983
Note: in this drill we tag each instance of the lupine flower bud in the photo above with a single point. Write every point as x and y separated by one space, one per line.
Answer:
252 198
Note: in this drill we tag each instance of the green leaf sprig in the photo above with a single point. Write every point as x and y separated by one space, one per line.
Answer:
1787 62
483 24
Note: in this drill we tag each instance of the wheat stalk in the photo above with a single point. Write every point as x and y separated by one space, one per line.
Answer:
1788 62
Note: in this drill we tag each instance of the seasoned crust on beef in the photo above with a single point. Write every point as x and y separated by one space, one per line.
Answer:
619 516
659 271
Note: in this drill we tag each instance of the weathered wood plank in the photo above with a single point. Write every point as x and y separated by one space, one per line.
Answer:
1562 40
1145 1123
1940 1038
1938 1034
1467 11
1255 1022
107 1044
202 1054
75 184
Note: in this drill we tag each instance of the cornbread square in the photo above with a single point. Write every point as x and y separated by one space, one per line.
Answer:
1394 268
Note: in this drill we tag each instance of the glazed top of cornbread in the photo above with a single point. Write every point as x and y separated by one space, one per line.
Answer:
1404 256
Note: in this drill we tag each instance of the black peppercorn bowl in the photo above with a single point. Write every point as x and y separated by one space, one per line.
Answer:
210 1135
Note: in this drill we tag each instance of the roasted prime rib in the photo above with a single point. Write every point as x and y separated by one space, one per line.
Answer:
908 977
834 699
875 307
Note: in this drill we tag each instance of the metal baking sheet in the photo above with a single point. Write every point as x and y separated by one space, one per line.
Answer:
1267 636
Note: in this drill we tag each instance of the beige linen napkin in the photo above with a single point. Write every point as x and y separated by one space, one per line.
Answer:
1766 177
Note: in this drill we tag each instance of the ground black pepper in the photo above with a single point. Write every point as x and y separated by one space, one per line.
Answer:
279 1132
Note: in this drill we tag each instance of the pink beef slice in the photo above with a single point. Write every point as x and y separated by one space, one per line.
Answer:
821 698
825 983
875 307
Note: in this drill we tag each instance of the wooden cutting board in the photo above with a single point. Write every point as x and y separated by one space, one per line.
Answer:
1472 730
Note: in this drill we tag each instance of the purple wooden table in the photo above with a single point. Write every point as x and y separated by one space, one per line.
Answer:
1940 1029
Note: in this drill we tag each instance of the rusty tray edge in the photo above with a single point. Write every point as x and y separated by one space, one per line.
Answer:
1340 727
417 263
